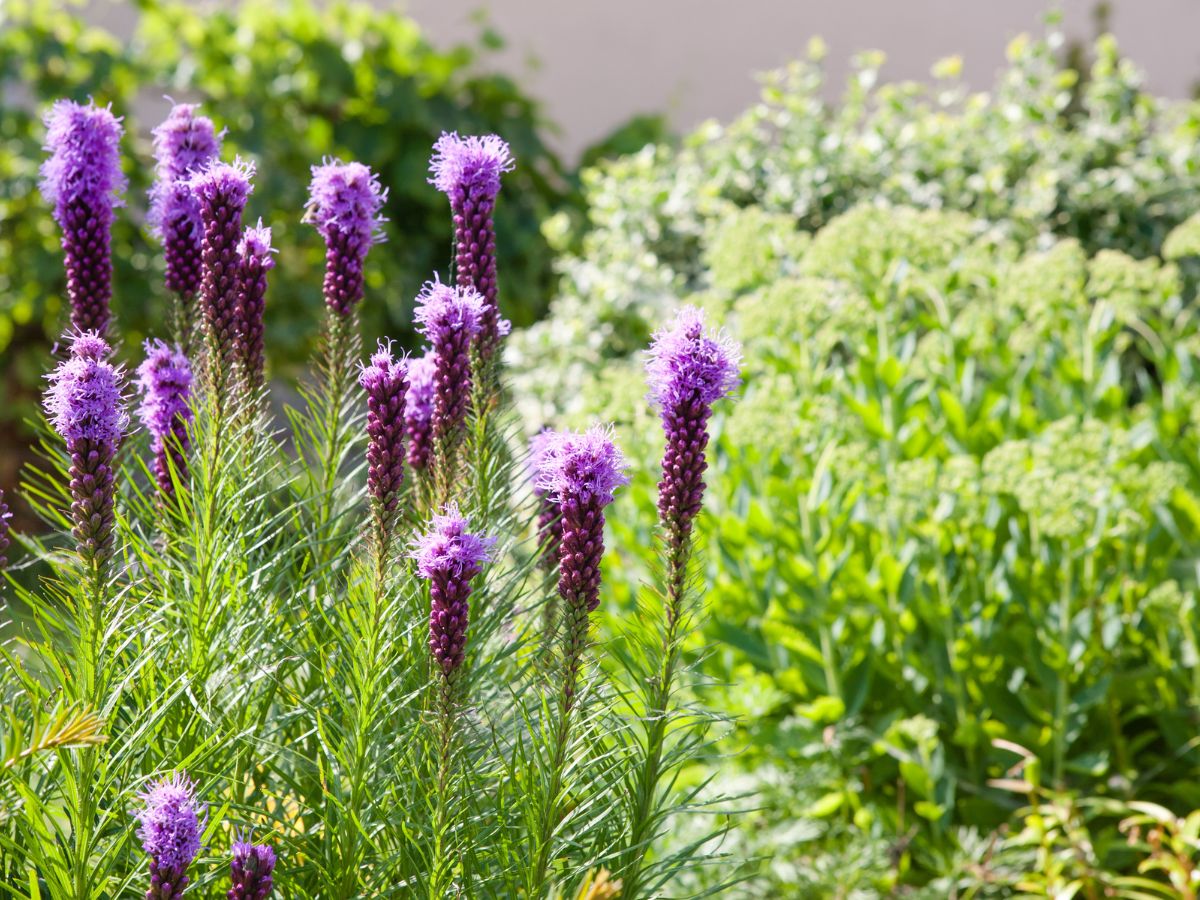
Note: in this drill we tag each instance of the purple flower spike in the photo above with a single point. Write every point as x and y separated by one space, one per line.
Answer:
250 871
449 555
5 515
184 144
449 318
256 260
385 381
579 473
165 383
222 190
468 170
85 405
171 822
344 200
418 409
688 369
83 179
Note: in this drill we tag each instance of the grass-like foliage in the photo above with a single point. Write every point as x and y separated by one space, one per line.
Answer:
276 642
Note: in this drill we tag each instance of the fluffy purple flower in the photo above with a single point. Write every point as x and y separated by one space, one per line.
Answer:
256 260
579 472
222 190
85 405
449 555
184 144
165 383
467 170
344 202
688 369
83 179
250 871
418 409
449 318
171 822
5 515
385 381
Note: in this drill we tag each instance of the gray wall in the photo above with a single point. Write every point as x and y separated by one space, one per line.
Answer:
595 63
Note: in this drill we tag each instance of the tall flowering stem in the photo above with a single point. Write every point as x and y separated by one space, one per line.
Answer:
170 824
467 170
579 473
449 318
251 871
222 190
184 143
448 555
689 368
82 179
256 259
165 384
384 379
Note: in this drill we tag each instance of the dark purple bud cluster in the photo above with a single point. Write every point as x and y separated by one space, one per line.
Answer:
385 381
250 871
256 257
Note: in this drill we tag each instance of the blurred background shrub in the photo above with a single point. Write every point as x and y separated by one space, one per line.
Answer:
293 83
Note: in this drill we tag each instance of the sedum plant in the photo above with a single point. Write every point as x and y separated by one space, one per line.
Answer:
335 655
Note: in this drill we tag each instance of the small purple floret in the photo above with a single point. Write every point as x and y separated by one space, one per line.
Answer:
82 178
84 401
469 165
449 555
165 383
385 380
344 203
251 871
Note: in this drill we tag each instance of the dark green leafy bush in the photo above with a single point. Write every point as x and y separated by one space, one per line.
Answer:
953 530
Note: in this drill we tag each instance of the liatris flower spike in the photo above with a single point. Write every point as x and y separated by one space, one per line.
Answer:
384 380
85 406
5 515
449 555
467 170
171 822
418 409
165 383
449 317
222 190
344 200
184 144
250 871
256 260
688 369
579 473
83 179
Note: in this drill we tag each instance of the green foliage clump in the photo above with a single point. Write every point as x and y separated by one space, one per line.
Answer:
953 512
1044 154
